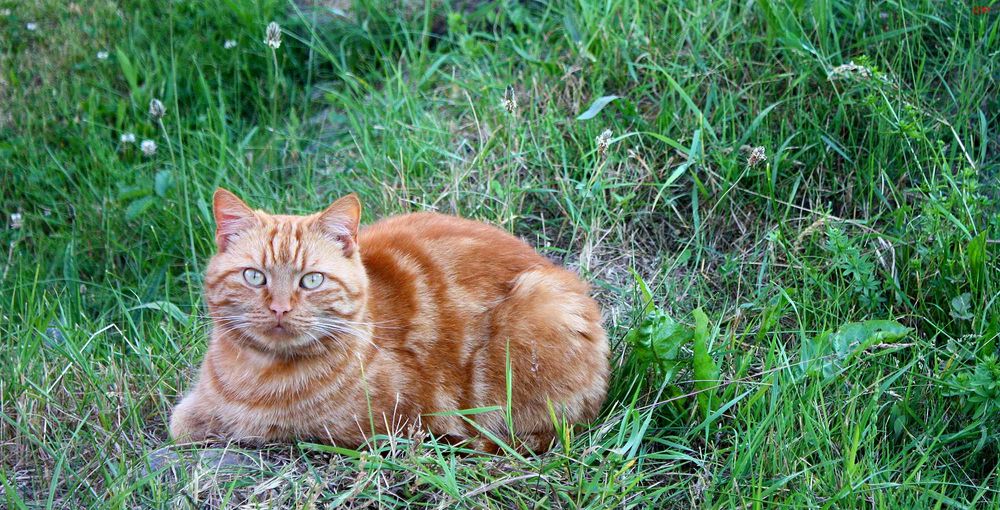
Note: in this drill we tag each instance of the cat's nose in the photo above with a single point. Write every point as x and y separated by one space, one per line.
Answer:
280 309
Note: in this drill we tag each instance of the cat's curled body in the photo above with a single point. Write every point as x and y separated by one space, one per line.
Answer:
414 316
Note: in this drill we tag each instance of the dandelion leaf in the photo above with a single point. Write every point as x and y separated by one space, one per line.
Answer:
657 341
828 352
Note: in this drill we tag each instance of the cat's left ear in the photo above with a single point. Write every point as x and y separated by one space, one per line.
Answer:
341 220
232 217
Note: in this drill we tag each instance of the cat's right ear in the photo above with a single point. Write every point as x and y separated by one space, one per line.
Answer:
232 217
341 220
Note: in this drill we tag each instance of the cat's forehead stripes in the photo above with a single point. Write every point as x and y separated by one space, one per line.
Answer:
286 242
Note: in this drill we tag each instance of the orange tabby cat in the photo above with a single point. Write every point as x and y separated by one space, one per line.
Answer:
325 333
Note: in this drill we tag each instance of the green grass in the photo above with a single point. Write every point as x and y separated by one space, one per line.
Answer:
877 200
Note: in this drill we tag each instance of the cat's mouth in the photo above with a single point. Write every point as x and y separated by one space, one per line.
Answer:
281 335
277 332
281 331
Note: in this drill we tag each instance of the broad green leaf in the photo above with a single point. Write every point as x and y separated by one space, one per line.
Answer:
596 107
706 372
647 296
829 352
571 29
961 307
129 70
862 335
657 342
977 261
131 192
812 352
138 207
163 182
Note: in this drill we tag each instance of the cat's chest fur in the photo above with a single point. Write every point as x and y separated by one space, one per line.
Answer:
342 399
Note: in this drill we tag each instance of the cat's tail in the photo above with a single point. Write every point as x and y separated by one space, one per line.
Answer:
549 329
555 301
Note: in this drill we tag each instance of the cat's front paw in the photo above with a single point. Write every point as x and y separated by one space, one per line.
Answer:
187 425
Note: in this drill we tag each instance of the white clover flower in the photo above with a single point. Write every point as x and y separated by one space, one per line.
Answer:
148 147
848 70
603 142
31 26
229 44
127 138
5 12
757 156
509 101
15 220
273 36
156 109
102 55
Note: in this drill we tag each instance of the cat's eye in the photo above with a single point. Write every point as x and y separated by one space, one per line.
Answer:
311 281
254 277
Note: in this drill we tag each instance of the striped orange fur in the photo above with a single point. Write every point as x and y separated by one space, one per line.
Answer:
414 316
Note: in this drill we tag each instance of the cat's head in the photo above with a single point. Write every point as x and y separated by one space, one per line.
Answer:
287 285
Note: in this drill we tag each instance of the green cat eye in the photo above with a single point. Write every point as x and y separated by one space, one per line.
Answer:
311 281
254 277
